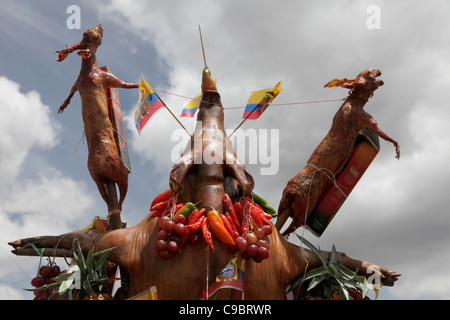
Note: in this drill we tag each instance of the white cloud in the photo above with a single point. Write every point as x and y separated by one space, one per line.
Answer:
25 122
45 204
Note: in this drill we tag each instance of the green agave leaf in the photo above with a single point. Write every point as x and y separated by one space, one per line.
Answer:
45 287
333 255
311 274
101 261
316 272
345 272
316 281
89 259
103 251
63 276
343 293
313 249
333 270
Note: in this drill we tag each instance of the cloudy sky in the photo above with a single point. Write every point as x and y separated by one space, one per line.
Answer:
397 216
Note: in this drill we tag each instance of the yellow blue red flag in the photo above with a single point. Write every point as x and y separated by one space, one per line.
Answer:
191 106
149 103
259 101
232 277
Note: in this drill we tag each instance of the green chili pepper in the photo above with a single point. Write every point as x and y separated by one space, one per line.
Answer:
264 205
187 209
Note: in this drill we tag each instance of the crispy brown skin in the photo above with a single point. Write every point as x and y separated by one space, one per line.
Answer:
185 275
303 191
204 171
104 162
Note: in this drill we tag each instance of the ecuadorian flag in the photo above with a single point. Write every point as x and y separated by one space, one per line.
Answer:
149 103
259 101
191 106
232 276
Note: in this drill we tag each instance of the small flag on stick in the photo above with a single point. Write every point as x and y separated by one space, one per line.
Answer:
191 107
259 101
149 103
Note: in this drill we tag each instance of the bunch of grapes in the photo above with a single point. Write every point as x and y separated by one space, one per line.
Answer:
45 277
170 235
255 244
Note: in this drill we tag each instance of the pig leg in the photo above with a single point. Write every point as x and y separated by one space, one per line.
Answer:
113 206
67 101
111 81
373 126
108 192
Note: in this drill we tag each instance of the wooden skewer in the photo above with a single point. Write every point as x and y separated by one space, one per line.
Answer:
203 47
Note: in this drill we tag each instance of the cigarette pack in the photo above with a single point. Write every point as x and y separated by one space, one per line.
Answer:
115 115
334 195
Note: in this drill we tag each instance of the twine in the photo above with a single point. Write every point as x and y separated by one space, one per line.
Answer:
99 126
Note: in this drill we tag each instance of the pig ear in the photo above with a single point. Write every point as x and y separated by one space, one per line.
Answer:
344 83
179 172
65 52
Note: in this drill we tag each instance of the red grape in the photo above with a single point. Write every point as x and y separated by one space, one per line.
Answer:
55 271
180 229
257 259
37 282
267 229
263 243
241 243
162 235
37 293
252 250
169 226
162 221
251 238
177 239
160 245
172 247
263 253
45 272
179 218
259 233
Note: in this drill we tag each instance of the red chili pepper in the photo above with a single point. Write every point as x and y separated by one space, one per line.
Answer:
256 216
206 234
262 212
233 227
195 215
194 227
239 211
163 204
244 227
156 213
229 207
163 196
227 225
